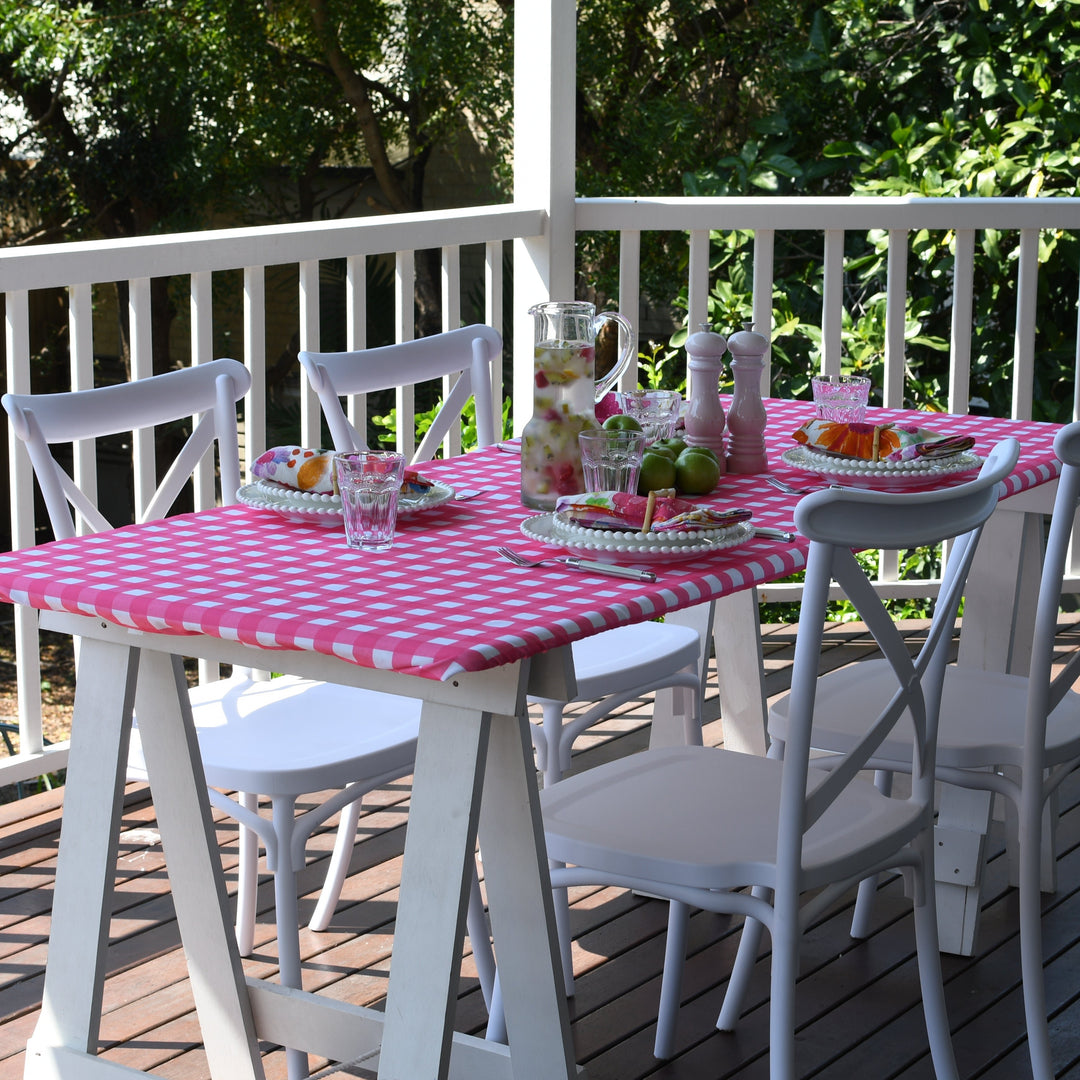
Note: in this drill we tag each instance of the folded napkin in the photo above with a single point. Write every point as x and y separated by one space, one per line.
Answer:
296 467
618 510
879 442
313 470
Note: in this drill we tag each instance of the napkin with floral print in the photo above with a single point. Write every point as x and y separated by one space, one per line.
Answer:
313 470
619 510
879 442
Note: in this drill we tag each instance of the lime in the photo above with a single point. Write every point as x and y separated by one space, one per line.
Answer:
664 451
696 473
621 422
675 445
702 450
657 471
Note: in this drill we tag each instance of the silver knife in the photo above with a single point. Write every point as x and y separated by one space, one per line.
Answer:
611 569
775 534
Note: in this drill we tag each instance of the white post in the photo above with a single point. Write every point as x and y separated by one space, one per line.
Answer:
545 78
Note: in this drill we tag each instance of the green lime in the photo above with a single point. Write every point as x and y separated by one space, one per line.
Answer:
657 471
675 445
664 451
621 422
696 473
702 450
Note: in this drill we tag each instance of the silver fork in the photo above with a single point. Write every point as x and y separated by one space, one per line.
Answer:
575 563
786 488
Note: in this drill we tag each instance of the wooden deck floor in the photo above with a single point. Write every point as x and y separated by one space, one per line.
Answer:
859 1011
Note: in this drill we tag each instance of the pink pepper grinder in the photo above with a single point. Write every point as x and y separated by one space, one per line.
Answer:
746 416
705 413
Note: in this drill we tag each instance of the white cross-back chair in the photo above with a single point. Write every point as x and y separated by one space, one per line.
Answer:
700 825
1015 735
280 738
617 666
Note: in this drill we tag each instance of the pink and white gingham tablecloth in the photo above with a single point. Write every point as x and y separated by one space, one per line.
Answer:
440 601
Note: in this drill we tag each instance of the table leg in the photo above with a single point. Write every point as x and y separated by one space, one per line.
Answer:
671 724
740 672
198 886
999 612
522 910
86 863
435 879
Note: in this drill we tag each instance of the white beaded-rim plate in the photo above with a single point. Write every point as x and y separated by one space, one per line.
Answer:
918 474
612 545
316 508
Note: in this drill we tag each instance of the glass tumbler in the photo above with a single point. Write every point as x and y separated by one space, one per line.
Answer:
369 482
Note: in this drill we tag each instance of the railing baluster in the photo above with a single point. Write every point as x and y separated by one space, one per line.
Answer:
142 366
764 244
630 297
895 318
255 360
356 331
832 301
1027 281
310 418
451 320
404 306
962 306
81 334
493 306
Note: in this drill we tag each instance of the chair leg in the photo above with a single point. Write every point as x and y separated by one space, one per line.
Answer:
496 1028
247 880
671 981
287 918
480 939
864 900
561 900
929 955
742 969
338 869
1031 946
558 755
785 973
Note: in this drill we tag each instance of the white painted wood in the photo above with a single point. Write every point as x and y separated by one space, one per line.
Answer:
310 340
1027 280
764 244
739 671
356 308
963 820
672 724
521 908
62 1063
81 344
202 352
142 366
630 298
439 845
832 301
493 316
351 1033
960 338
451 320
404 323
895 314
86 863
170 748
698 286
255 361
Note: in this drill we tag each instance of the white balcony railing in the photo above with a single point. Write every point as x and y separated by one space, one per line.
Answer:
76 270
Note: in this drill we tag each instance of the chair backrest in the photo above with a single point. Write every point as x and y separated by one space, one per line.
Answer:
836 521
1045 690
209 391
467 352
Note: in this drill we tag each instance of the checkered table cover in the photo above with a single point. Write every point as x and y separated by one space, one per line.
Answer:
440 601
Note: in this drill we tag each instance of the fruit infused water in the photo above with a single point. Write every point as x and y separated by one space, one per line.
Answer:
563 392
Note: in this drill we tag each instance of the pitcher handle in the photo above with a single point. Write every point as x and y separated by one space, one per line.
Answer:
609 380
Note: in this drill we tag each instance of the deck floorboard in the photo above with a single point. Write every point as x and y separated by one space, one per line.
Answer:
858 1003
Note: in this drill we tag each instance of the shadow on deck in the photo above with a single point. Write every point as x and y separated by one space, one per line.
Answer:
859 1010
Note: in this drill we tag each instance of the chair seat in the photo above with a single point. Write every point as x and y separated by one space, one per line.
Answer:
982 717
627 657
708 818
290 736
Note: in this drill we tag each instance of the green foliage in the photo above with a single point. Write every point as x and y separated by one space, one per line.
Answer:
895 99
386 425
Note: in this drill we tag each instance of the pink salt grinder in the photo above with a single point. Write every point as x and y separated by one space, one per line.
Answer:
746 416
704 413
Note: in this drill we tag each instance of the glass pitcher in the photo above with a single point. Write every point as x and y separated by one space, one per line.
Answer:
565 392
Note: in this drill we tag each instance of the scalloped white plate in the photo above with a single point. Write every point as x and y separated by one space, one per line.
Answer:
916 475
314 508
609 545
